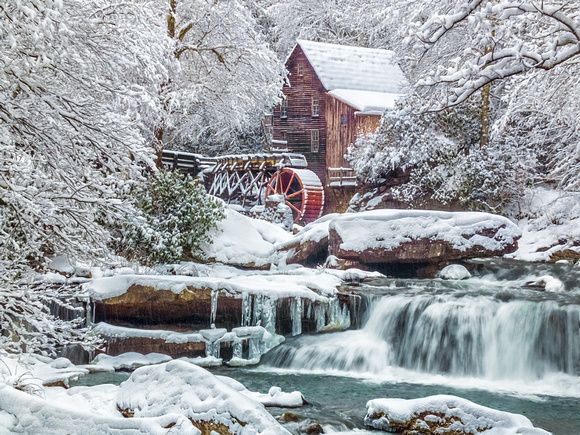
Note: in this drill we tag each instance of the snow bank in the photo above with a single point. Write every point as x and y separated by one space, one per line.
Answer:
242 241
181 388
307 284
454 271
388 229
162 399
275 396
443 414
550 224
36 370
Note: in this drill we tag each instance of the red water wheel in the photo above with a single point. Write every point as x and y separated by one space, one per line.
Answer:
302 192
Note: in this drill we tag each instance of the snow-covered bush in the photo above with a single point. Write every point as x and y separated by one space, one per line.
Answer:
177 215
437 156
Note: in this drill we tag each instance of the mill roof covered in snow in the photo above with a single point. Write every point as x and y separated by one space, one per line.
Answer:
367 79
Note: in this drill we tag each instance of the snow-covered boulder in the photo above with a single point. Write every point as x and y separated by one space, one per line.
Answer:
420 236
454 272
243 241
443 414
547 283
210 404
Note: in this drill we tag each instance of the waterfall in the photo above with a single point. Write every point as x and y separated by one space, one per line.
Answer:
476 336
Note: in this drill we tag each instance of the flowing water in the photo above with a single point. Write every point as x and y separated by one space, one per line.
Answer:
493 339
483 332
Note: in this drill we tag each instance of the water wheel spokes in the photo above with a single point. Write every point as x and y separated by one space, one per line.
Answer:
301 190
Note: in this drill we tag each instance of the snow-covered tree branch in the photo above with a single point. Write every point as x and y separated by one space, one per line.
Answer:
513 37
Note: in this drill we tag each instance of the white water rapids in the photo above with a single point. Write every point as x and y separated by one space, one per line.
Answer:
462 340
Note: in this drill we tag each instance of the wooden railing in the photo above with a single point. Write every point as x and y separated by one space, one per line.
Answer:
340 177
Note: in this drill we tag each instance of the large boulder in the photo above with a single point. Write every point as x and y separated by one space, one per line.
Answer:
420 236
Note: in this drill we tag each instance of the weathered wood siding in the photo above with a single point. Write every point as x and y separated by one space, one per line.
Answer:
341 131
299 121
343 127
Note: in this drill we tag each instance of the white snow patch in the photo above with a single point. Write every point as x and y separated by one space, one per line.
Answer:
240 240
551 223
366 102
274 397
130 360
549 283
163 396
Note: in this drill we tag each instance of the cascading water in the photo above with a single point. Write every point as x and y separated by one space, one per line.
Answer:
454 334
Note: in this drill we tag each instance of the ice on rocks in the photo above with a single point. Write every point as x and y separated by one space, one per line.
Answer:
130 360
454 272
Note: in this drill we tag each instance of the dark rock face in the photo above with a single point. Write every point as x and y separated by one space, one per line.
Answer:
144 345
418 250
148 306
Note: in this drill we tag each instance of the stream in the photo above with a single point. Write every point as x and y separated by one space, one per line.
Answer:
494 339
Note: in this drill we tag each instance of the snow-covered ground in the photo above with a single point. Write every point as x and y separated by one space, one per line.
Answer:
239 240
550 224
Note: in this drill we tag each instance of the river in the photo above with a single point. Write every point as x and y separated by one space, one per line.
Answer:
493 339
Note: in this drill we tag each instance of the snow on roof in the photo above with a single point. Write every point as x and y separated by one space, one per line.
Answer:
346 69
366 102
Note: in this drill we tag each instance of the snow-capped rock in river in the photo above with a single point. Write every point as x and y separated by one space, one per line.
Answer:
420 236
454 271
444 414
403 236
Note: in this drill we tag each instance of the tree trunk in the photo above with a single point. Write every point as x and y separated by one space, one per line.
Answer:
484 116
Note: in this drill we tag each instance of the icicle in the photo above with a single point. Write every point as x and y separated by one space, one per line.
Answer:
309 310
237 349
212 349
296 315
339 316
214 303
246 309
269 315
93 311
320 316
258 308
255 347
88 314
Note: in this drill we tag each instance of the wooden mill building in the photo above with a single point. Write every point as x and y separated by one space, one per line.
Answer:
334 93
